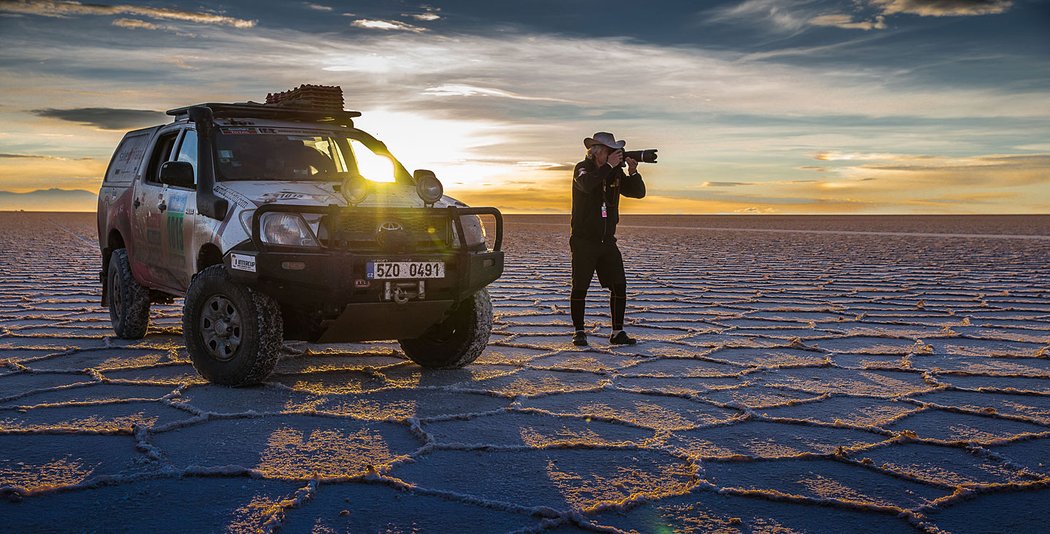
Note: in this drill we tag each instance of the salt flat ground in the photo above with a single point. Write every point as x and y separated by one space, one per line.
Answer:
794 375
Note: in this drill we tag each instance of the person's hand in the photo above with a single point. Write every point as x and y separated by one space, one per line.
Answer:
632 166
615 158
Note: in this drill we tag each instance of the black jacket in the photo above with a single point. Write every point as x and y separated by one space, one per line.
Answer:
591 185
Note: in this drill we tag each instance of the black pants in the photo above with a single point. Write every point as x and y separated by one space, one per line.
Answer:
605 259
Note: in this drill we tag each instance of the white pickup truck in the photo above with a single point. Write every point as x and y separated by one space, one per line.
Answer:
282 221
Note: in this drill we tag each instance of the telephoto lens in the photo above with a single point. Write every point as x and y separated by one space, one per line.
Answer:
641 156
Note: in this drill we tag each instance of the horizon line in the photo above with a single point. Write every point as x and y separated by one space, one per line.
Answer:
622 215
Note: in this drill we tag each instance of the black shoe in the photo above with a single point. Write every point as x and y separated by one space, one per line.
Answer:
579 338
622 339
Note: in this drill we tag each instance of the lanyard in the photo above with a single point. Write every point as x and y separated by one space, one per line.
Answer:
605 211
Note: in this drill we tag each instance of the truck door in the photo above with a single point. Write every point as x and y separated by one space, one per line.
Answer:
180 218
149 217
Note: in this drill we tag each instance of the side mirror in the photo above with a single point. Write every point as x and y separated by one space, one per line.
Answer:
178 174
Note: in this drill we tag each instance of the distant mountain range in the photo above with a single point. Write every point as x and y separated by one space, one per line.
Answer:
49 200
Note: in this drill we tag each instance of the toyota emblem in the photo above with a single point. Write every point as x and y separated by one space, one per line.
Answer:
391 235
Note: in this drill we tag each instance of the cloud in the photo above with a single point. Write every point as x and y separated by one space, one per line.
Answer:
988 170
33 172
318 7
545 166
17 156
1037 147
760 119
557 199
426 17
846 22
105 118
860 156
387 25
136 24
795 17
974 198
39 156
68 8
755 210
900 183
943 8
724 184
1003 183
773 13
409 70
429 14
452 89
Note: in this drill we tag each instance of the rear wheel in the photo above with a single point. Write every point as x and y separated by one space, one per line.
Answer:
128 301
458 340
233 333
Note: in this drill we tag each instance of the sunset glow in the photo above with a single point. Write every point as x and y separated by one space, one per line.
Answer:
756 106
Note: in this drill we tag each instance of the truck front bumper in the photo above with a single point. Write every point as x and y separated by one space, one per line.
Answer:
335 282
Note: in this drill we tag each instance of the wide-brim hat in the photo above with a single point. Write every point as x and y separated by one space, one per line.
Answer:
603 138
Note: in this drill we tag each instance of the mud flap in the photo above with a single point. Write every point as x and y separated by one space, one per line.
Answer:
105 287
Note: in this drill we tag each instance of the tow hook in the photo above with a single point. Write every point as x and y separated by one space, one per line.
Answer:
402 292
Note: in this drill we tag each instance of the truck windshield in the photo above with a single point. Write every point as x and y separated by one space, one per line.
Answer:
298 155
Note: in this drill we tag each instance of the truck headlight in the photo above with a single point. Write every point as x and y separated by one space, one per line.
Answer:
288 229
355 190
428 187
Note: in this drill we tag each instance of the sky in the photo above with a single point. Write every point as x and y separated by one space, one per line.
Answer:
756 106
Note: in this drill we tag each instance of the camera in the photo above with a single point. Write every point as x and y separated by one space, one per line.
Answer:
641 156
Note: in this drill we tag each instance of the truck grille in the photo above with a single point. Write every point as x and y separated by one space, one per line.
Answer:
370 231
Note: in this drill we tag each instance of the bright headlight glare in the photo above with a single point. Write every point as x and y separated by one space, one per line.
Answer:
429 189
288 229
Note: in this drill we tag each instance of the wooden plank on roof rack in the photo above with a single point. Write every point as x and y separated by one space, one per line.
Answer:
319 97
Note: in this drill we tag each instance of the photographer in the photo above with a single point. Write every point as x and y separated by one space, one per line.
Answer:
597 183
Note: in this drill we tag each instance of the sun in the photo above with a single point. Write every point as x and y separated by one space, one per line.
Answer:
451 148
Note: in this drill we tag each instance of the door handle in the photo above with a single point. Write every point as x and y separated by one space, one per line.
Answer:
162 206
136 204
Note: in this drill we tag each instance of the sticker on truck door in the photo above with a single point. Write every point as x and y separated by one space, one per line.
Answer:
176 223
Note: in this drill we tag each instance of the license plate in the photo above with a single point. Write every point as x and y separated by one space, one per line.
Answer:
388 270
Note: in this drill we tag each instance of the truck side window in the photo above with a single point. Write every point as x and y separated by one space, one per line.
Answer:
161 153
188 151
127 158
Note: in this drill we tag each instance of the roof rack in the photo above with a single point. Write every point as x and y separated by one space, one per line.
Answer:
254 110
306 103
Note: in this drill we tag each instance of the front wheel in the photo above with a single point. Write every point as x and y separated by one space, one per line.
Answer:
458 340
234 334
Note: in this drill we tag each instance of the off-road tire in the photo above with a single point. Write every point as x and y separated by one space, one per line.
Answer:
258 325
128 301
458 340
